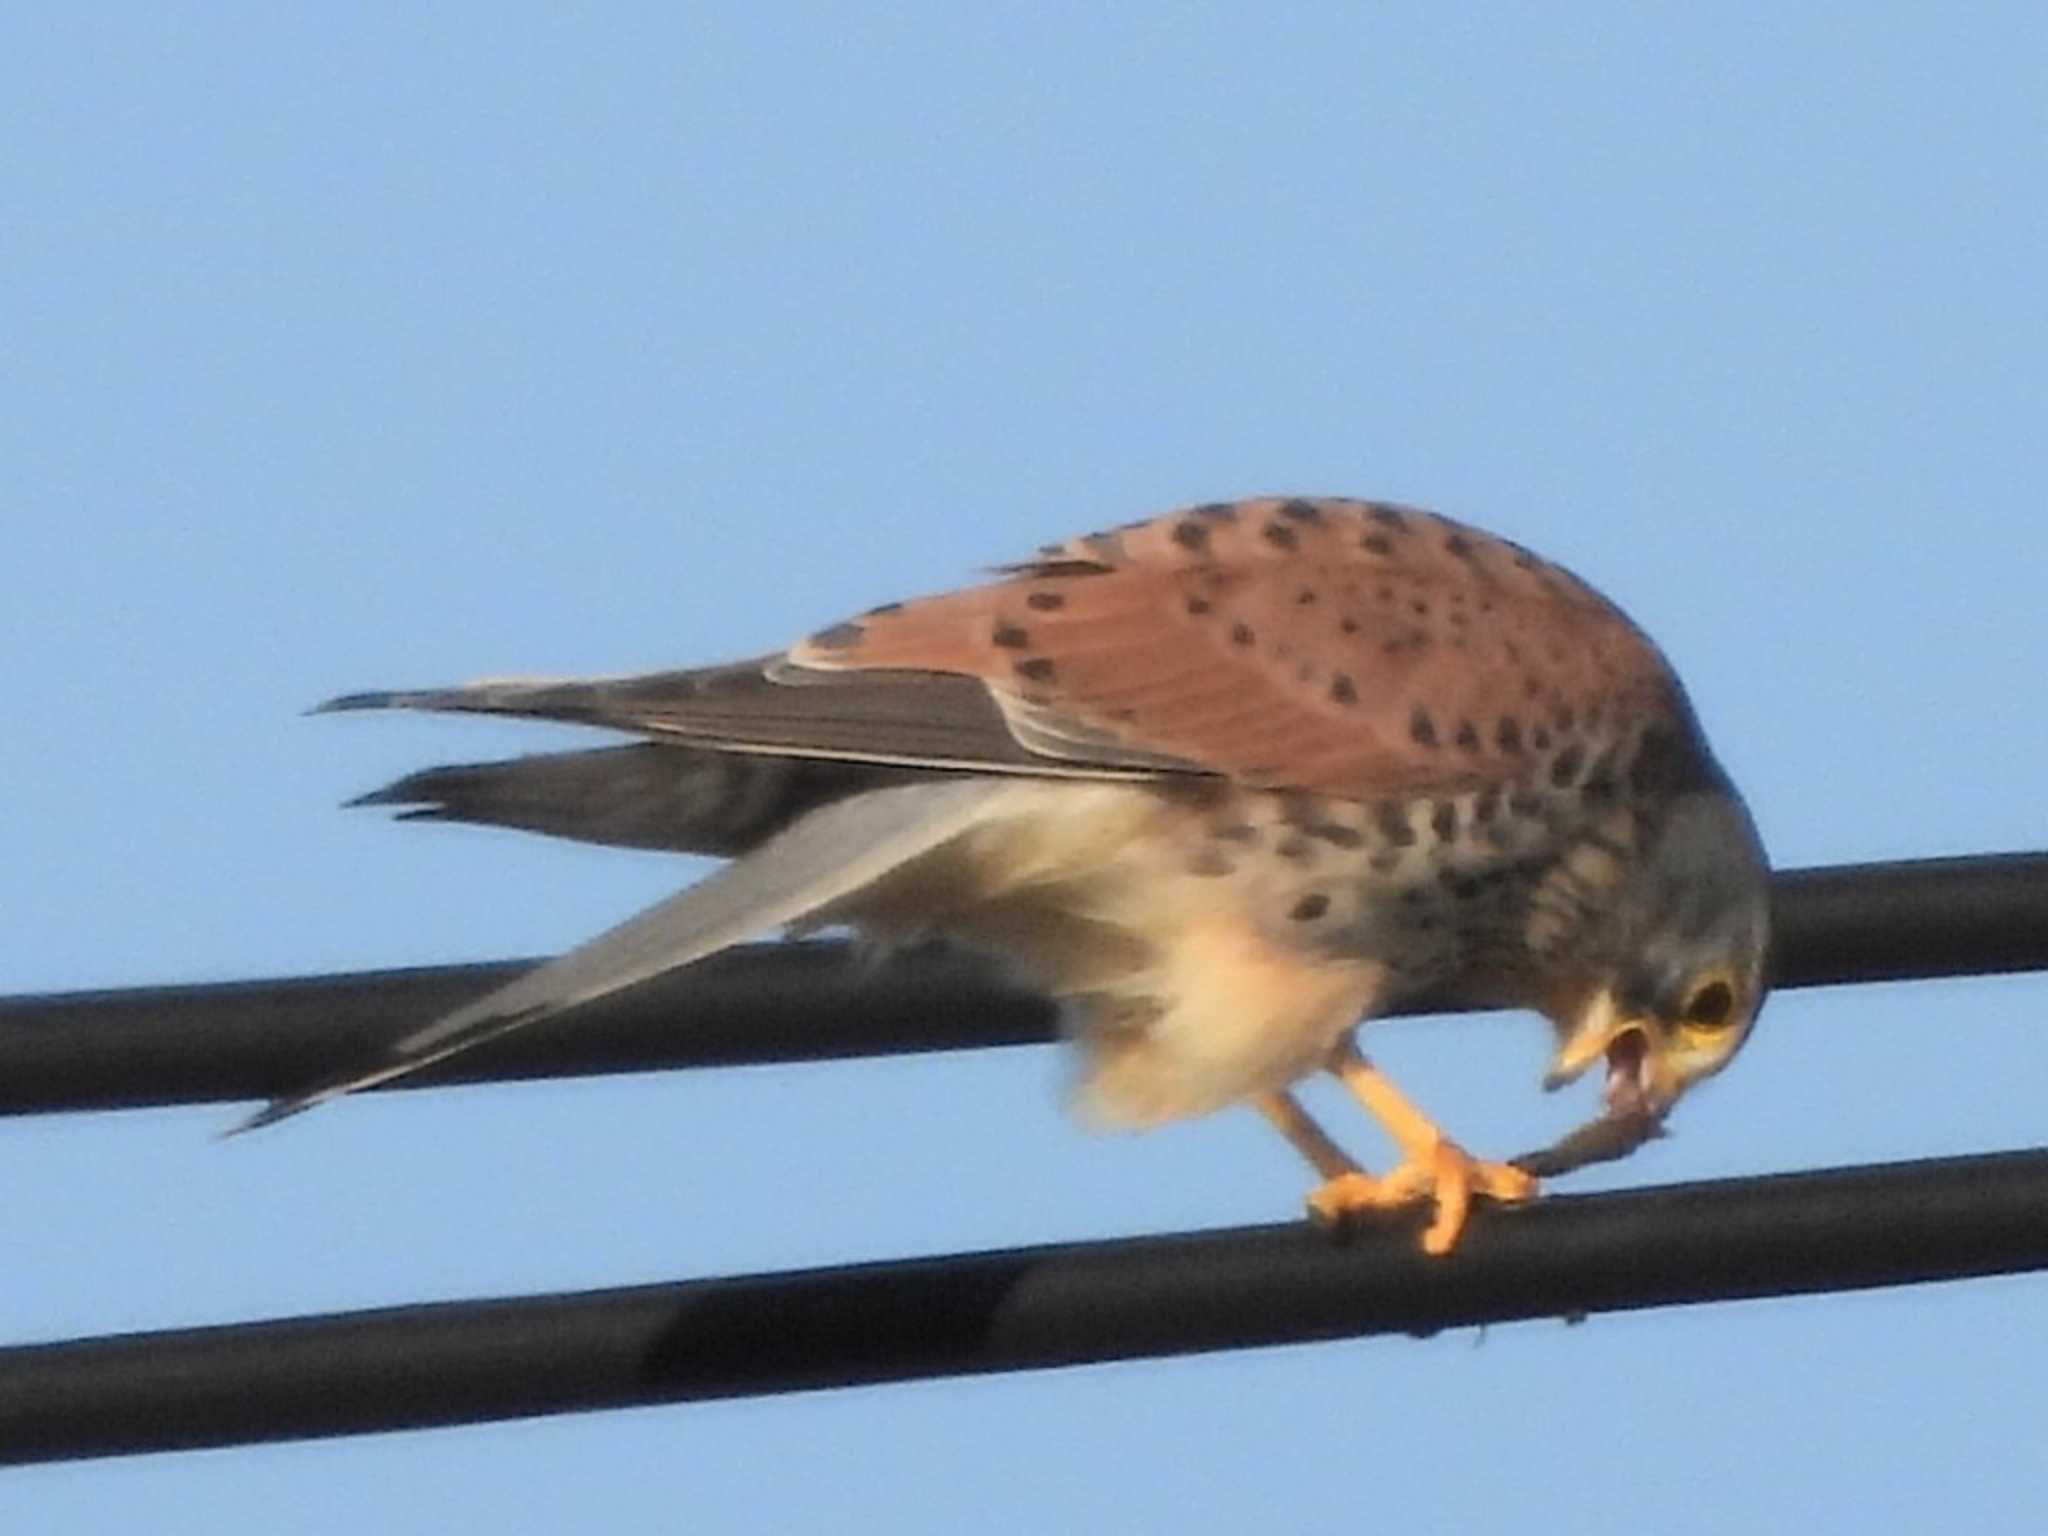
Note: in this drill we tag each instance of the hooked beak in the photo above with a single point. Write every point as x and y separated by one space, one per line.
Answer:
1641 1083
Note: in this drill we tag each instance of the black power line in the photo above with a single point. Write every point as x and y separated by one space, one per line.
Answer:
792 1002
466 1362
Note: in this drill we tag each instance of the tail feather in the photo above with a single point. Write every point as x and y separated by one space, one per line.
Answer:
821 858
657 795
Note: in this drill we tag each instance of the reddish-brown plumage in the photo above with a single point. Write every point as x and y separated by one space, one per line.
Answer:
1223 782
1346 647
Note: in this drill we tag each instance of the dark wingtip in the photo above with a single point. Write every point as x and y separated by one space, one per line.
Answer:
269 1114
381 699
377 799
390 794
417 790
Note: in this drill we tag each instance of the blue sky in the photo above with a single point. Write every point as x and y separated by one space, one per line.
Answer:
361 346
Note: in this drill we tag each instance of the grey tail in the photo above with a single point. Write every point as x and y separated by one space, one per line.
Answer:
658 795
819 859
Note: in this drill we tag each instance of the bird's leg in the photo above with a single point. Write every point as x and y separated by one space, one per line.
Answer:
1432 1165
1346 1188
1285 1114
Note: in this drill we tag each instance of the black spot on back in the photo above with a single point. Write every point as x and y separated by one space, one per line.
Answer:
1199 606
1600 783
1343 690
1335 833
1280 536
1191 536
1046 602
1301 511
1376 544
1458 546
1011 637
1057 563
1421 728
1037 669
1241 634
1309 908
1391 816
1388 516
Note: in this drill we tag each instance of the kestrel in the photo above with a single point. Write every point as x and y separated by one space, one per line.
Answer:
1224 783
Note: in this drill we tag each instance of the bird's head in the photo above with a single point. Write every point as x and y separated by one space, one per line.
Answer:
1680 984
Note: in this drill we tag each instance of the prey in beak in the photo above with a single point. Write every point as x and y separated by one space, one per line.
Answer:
1641 1086
1653 1055
1642 1081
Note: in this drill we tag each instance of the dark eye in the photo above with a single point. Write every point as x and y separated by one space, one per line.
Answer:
1710 1006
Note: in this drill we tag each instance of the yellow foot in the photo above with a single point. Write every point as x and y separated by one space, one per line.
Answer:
1449 1175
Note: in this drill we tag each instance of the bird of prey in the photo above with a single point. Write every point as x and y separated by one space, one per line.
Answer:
1225 783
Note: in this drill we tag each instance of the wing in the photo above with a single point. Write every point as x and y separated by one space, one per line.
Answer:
1351 648
920 719
1345 647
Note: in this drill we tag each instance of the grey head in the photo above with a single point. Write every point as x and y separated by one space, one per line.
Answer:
1679 973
